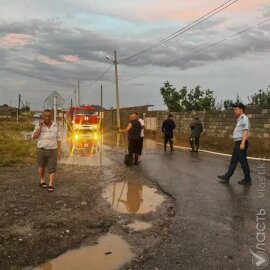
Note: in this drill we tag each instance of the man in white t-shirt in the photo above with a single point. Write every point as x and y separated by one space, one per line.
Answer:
48 148
142 135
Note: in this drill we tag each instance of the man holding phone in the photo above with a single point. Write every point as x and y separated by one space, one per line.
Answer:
48 148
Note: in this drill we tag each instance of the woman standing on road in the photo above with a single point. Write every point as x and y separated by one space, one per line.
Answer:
134 136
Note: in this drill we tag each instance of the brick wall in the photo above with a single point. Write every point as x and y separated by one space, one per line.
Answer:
109 120
219 127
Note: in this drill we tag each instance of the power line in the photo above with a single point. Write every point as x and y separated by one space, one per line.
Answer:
94 81
70 95
201 50
101 76
184 29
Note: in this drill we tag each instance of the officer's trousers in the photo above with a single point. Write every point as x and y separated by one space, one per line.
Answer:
194 143
168 138
239 155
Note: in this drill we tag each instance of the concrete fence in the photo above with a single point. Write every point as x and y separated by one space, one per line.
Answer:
218 126
109 120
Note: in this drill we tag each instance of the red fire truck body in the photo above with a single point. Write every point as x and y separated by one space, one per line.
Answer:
84 117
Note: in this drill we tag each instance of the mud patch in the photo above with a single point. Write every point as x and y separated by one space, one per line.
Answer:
126 197
139 226
92 159
110 253
76 215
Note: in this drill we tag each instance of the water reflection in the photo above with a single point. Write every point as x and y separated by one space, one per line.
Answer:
126 197
84 148
110 253
119 140
84 143
88 147
133 198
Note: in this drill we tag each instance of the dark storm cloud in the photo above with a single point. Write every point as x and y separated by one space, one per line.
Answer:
53 39
266 11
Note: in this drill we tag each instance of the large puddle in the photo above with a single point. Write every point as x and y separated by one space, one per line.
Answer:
84 148
110 253
126 197
87 148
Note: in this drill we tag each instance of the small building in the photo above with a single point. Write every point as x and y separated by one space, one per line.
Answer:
7 111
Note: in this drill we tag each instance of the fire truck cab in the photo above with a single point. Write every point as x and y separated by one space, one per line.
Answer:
84 117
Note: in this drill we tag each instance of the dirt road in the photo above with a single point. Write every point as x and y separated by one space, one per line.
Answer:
36 226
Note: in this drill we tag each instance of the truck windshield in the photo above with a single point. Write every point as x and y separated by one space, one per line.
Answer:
85 112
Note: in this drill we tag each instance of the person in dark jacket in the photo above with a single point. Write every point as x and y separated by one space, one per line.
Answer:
134 137
196 130
168 126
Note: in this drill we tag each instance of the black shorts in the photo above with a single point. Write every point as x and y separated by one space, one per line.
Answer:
168 138
47 158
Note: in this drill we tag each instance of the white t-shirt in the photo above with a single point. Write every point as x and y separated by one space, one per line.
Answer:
48 136
142 124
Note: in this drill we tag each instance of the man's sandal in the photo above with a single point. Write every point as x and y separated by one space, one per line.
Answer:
43 185
50 189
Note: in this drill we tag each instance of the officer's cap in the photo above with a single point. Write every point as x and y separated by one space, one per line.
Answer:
239 105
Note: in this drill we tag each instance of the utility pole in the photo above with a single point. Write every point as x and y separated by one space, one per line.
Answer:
71 103
75 96
18 109
101 104
79 94
117 91
55 108
101 96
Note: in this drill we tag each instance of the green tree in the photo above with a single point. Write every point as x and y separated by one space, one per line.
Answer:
228 104
171 97
187 100
262 97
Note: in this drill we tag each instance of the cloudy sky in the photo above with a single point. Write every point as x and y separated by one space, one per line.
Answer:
49 45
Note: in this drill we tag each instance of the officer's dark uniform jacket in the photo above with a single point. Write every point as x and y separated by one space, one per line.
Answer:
196 129
167 128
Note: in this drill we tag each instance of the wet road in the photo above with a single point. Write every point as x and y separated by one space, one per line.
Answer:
215 223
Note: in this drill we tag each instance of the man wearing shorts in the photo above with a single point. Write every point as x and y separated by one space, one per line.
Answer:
48 148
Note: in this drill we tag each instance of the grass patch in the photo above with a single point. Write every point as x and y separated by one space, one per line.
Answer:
14 148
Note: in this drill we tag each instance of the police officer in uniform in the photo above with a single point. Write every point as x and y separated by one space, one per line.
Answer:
239 154
196 130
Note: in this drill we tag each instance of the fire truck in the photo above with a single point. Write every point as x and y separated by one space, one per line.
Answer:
84 117
83 124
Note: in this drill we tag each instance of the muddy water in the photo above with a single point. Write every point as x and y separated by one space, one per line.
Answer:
87 150
139 226
110 253
119 140
126 197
